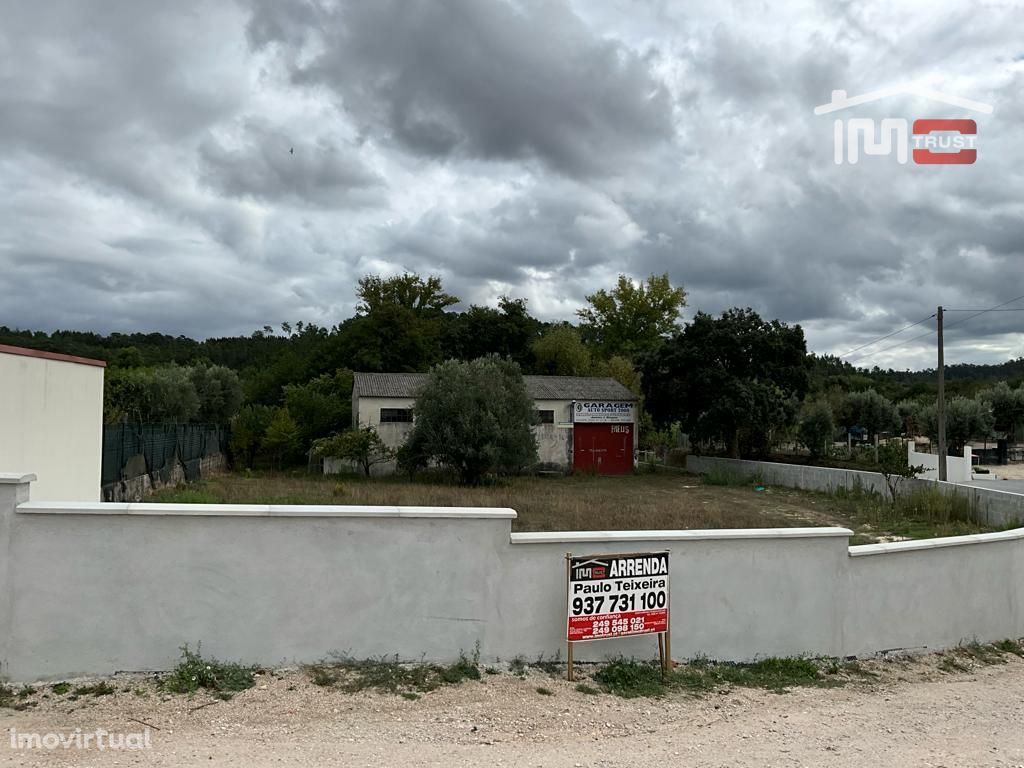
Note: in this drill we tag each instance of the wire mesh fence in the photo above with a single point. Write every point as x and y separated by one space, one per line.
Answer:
130 450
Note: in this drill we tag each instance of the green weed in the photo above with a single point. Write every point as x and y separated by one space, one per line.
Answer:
102 688
390 675
631 678
194 672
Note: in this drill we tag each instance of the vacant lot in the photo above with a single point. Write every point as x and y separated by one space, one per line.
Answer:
665 501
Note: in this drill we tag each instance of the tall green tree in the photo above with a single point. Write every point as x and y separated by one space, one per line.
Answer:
282 442
321 406
475 417
219 391
910 416
248 430
870 410
817 427
398 324
561 352
966 419
408 290
507 331
735 378
1007 407
632 318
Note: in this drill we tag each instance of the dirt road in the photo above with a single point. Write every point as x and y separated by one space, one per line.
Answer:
913 715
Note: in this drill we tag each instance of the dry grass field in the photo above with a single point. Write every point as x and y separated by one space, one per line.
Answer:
635 502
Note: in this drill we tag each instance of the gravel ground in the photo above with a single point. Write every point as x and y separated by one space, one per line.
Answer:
912 715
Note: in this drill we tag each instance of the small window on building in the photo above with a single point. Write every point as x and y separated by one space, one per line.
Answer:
395 415
546 417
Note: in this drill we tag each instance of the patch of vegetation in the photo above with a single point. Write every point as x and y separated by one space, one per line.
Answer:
630 678
545 691
919 514
950 664
980 653
722 476
389 675
589 690
518 666
967 656
60 688
193 672
16 700
1016 647
552 666
102 688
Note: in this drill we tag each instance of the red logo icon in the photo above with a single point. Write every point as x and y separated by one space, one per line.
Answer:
925 142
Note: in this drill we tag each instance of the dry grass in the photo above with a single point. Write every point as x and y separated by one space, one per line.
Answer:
634 502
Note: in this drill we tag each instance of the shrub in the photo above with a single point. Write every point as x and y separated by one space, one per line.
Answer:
475 417
194 672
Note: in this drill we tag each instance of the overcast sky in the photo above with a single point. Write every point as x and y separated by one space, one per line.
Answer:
207 168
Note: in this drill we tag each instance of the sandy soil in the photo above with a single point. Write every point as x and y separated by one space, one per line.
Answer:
913 715
1008 472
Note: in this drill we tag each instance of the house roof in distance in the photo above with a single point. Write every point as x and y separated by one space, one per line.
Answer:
539 387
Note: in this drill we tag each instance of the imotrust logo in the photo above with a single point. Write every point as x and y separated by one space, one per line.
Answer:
946 141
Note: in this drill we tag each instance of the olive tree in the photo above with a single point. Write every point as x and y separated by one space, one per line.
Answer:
475 417
817 427
363 447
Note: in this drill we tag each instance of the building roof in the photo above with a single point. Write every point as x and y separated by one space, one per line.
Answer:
42 354
539 387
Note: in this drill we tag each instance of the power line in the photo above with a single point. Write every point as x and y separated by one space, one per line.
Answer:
996 308
983 311
894 346
887 336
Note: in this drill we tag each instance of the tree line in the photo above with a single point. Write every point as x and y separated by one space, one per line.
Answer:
735 380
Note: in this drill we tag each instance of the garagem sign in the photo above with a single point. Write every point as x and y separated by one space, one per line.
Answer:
604 411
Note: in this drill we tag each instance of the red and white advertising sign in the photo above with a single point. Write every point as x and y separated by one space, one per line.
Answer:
617 596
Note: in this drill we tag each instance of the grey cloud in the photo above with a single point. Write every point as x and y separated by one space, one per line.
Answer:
271 166
485 80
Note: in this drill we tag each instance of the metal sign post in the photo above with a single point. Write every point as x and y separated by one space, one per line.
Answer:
618 595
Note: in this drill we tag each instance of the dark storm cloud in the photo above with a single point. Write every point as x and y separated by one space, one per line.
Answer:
483 80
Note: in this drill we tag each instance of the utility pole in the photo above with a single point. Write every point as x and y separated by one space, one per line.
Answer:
941 408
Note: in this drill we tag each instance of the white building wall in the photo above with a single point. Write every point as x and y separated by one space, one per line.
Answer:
554 441
51 420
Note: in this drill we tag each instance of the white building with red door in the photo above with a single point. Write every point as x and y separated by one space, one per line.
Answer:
586 423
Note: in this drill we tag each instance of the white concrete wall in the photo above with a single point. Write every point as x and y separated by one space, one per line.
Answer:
51 423
958 469
791 475
88 588
992 506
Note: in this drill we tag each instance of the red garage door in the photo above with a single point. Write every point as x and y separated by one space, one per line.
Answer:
603 448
